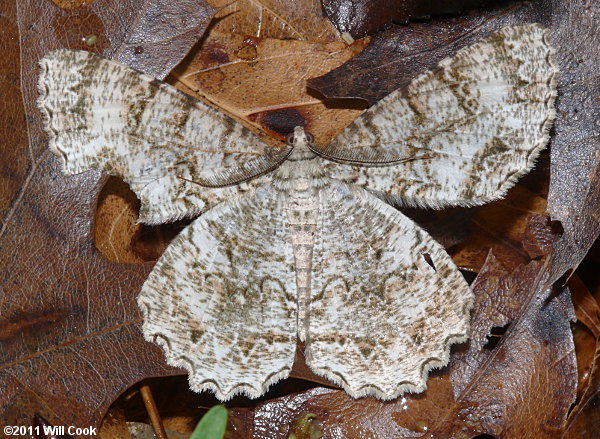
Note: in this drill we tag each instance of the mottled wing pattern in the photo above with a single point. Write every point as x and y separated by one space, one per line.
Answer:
221 300
473 125
380 317
103 115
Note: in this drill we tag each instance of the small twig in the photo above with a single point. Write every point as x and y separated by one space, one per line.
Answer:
155 419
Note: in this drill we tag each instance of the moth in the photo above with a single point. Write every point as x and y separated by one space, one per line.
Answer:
304 242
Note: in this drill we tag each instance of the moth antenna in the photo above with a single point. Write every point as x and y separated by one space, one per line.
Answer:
247 171
383 161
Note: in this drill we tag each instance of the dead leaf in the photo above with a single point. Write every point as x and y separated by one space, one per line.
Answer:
584 419
162 33
262 82
69 330
365 17
114 426
118 235
574 197
282 19
521 387
115 224
71 4
504 226
586 306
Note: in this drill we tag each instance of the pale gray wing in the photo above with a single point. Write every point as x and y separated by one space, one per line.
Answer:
221 300
380 316
461 134
167 146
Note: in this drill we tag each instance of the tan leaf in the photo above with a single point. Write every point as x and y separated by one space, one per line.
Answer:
118 235
262 81
299 19
116 226
71 4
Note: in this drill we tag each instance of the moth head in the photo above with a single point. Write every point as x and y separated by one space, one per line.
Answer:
303 144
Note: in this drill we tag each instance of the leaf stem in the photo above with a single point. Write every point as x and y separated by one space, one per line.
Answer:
152 410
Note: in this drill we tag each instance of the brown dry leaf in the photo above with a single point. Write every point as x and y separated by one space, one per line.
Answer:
365 17
70 337
587 308
503 390
298 20
262 82
584 419
502 226
115 224
114 426
118 235
162 34
71 4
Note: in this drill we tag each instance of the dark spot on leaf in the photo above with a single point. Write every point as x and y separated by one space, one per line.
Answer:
214 54
246 52
32 322
549 325
484 436
495 336
138 50
280 122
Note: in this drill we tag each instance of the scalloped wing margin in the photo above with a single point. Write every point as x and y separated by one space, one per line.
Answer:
103 115
221 300
474 125
380 316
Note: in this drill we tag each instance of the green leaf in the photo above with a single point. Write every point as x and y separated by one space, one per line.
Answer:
212 425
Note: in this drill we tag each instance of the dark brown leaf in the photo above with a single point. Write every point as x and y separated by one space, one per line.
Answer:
70 340
71 4
522 387
398 55
395 57
584 419
66 309
511 227
282 19
574 197
365 17
162 34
